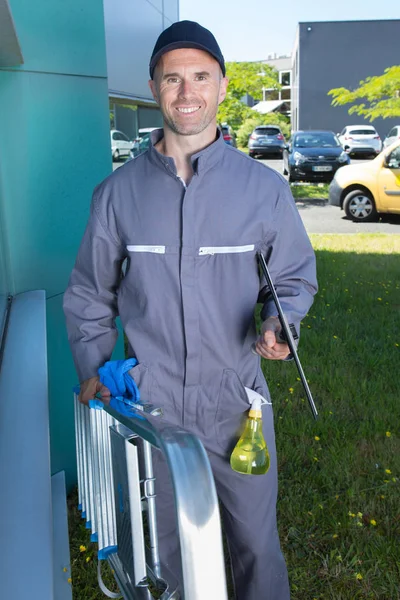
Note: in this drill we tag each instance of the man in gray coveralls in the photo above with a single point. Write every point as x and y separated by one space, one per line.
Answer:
188 216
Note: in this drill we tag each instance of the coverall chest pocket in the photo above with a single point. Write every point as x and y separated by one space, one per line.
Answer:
232 411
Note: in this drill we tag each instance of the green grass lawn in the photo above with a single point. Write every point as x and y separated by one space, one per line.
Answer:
339 500
310 190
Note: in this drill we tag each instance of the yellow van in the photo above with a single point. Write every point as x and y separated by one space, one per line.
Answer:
364 190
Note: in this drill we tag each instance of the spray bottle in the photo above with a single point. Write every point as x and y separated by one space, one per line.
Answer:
250 455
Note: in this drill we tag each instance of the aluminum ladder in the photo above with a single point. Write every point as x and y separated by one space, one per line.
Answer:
116 485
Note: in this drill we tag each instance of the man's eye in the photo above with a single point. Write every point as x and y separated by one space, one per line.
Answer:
172 80
200 78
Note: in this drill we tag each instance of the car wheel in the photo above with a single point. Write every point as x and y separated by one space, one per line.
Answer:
359 206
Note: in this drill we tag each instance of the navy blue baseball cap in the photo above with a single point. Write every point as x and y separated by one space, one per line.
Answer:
186 34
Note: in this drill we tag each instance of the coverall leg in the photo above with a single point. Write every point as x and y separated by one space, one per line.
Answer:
249 520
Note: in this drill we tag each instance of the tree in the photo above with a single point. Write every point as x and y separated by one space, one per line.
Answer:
381 92
245 78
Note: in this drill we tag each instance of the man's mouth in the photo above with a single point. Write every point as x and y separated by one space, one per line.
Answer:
188 109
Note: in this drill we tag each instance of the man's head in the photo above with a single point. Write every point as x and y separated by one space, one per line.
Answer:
188 80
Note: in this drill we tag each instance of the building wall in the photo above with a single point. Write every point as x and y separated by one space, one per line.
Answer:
132 27
54 149
341 54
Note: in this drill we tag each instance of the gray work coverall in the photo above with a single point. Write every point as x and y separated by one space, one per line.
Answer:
186 303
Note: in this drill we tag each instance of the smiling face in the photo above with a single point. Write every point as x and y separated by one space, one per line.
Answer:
188 86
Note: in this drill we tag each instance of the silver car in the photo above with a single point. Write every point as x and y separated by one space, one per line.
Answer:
360 139
266 140
392 136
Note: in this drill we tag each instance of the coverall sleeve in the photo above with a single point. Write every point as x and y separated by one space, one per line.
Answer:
291 264
90 301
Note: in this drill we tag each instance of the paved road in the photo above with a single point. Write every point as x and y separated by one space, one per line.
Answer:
319 217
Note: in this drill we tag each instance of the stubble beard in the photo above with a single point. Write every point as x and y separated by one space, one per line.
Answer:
190 129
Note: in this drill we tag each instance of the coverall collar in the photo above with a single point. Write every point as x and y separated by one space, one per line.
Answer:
201 161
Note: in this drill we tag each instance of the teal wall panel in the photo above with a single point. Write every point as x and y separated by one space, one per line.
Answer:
61 37
58 134
54 148
62 378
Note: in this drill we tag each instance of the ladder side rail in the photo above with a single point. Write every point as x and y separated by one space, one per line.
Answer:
197 507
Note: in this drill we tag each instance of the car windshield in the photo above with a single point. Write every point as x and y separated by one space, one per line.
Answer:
362 132
316 140
267 131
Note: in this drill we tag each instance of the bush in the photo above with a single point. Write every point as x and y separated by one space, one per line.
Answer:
270 119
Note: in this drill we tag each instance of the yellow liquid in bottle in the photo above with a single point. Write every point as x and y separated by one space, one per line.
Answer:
250 455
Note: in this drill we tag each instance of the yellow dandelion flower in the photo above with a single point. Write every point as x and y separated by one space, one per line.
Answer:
382 497
351 514
388 434
69 580
359 576
82 548
65 569
388 471
291 390
373 522
397 345
335 337
335 535
328 305
87 558
316 438
315 458
380 299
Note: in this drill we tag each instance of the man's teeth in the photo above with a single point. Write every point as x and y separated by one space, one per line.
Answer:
188 110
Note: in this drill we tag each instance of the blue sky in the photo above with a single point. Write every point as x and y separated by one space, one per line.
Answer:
254 29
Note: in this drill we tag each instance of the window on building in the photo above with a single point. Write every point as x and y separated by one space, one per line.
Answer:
285 77
285 94
271 95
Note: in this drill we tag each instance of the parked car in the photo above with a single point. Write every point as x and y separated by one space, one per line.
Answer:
363 190
228 134
392 136
266 140
313 156
360 139
120 144
142 141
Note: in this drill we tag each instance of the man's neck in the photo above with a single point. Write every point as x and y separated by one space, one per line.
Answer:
182 147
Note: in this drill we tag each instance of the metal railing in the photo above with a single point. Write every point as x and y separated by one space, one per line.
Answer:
116 484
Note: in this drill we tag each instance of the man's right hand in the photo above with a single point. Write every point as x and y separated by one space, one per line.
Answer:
91 387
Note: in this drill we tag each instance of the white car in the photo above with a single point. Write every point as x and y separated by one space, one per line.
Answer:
392 136
120 144
360 139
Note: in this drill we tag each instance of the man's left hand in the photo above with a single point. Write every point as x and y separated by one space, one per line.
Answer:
267 344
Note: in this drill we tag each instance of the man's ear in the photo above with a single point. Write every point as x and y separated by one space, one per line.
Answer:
222 89
153 89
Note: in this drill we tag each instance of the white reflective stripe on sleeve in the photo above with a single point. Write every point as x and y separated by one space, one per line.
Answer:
225 249
153 249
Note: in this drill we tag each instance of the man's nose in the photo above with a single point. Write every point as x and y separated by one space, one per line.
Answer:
185 88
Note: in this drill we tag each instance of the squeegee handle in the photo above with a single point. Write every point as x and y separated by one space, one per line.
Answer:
287 332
